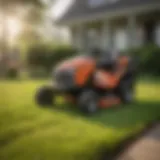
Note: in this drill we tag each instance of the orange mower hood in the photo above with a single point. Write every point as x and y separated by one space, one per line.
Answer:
75 63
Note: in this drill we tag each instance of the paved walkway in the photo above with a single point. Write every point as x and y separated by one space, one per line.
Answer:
146 148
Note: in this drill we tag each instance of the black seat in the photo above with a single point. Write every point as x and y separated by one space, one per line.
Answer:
106 61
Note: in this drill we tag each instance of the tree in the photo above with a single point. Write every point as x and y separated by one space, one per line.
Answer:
35 25
8 7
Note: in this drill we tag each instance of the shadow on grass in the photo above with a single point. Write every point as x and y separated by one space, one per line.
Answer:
123 116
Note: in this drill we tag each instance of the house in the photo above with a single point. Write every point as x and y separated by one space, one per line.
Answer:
117 24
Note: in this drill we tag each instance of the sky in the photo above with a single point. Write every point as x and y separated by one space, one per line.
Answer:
60 7
51 31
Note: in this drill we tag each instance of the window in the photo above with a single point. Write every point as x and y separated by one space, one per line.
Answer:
120 39
97 3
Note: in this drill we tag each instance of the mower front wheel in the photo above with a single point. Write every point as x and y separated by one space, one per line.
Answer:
45 96
88 102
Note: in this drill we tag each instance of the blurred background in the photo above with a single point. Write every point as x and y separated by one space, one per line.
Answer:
27 28
35 34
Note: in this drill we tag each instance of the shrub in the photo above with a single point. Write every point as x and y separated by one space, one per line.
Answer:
57 54
148 57
46 55
12 73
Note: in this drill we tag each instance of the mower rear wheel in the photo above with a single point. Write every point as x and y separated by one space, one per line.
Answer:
88 102
45 96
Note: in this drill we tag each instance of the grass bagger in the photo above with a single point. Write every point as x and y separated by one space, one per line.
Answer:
92 82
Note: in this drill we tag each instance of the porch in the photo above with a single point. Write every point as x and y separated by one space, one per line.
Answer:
118 32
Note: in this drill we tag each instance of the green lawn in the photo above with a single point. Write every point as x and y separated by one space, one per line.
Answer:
30 133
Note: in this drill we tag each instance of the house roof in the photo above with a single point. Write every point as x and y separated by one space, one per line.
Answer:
80 9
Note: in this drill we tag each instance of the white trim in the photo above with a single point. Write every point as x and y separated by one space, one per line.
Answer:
98 3
112 14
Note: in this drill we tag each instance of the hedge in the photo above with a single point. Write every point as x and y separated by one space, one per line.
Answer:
148 58
46 56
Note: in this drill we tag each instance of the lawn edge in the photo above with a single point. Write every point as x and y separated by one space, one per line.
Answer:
121 147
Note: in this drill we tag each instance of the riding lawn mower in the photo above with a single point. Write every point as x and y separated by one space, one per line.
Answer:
91 82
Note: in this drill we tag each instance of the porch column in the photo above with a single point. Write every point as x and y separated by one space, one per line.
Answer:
106 36
132 34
